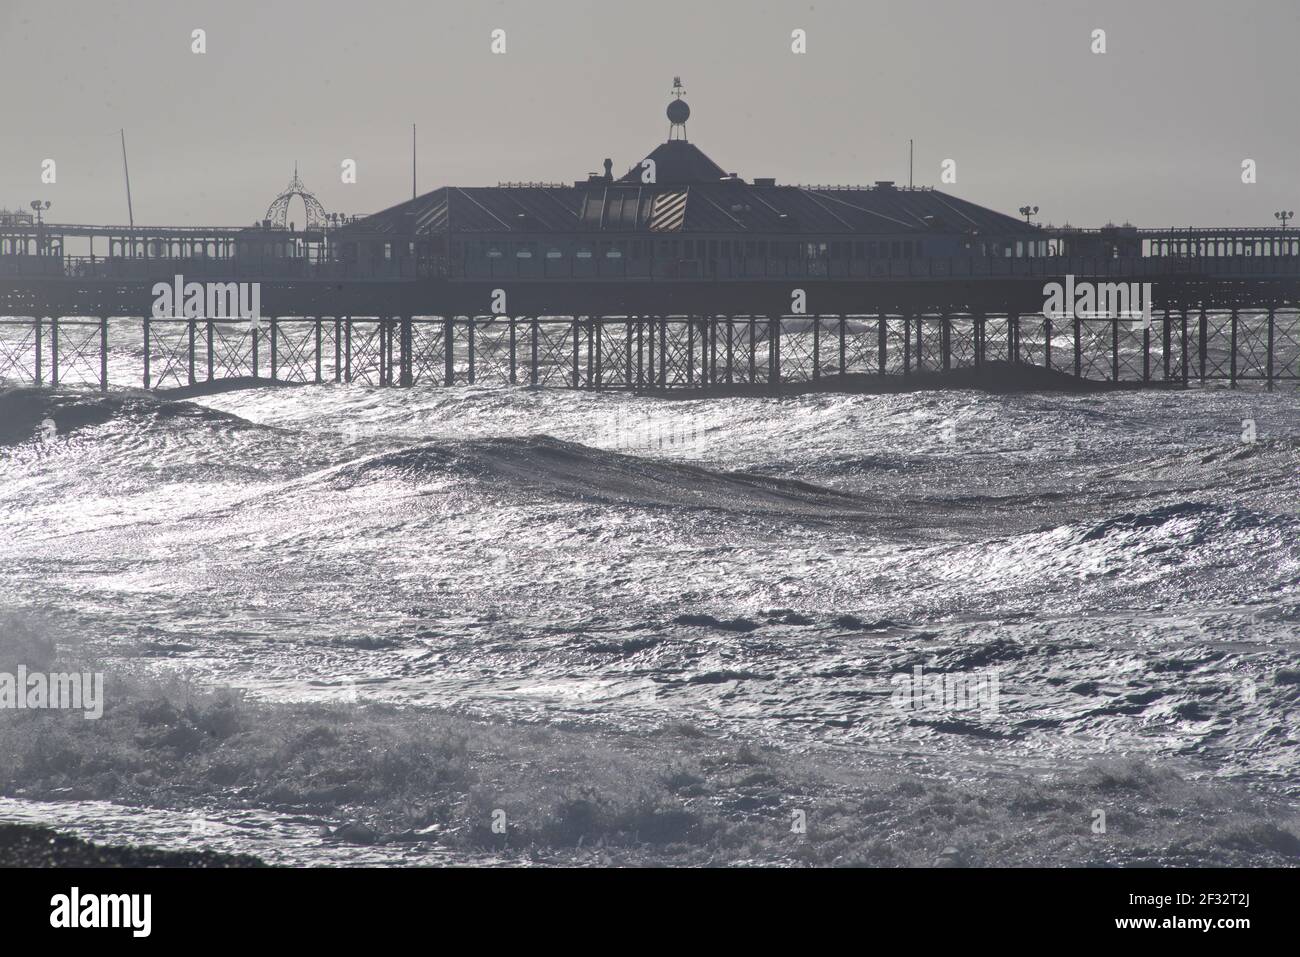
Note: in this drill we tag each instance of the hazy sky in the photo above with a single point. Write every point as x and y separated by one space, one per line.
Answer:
1154 131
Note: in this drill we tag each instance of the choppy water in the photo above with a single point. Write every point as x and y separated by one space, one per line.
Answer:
759 567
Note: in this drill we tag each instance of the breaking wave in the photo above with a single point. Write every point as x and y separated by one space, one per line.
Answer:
546 467
762 568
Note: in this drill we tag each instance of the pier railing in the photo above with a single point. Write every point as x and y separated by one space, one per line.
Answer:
954 268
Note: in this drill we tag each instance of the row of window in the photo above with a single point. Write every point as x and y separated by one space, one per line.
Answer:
698 249
711 249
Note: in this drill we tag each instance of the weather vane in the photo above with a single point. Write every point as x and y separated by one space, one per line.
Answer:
678 111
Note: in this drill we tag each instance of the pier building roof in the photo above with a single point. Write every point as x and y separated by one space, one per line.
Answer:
684 191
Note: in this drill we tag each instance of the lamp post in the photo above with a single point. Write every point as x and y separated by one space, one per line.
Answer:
1027 211
1285 215
38 208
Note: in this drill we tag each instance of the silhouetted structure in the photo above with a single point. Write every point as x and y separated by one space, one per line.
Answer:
676 274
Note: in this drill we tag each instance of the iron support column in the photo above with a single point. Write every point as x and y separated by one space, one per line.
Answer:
843 348
449 350
774 353
817 349
514 366
103 354
471 329
1182 352
1232 374
1203 349
407 374
532 372
1078 346
1114 349
347 349
1268 374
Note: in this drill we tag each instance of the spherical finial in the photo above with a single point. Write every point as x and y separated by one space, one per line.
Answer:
678 112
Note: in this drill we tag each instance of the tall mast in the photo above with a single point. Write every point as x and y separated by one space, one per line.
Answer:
127 172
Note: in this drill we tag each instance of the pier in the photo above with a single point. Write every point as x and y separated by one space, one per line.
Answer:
676 276
1182 346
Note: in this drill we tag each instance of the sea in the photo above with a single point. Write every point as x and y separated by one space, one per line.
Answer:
1102 573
